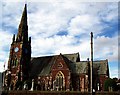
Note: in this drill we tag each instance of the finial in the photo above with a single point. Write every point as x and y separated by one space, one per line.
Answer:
87 59
4 66
13 37
29 39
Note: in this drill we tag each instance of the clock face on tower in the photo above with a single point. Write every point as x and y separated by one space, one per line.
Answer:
16 49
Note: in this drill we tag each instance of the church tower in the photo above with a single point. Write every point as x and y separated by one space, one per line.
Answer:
20 52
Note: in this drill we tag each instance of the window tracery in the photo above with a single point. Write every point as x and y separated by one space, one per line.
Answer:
60 80
60 65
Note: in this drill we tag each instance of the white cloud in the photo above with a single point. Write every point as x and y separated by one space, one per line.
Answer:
60 44
46 19
4 47
73 17
106 47
52 44
83 24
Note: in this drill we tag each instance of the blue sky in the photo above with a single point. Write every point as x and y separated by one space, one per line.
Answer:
64 27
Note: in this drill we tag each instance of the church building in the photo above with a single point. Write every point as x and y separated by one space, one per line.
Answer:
63 72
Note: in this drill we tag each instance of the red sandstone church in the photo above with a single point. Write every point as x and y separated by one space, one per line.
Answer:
54 73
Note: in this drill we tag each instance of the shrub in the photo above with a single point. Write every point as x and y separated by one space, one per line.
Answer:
110 84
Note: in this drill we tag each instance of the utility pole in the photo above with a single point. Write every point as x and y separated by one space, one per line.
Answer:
91 65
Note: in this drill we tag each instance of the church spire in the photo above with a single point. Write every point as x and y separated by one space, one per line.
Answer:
23 27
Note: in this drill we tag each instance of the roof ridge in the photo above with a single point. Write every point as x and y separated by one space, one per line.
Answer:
55 55
100 60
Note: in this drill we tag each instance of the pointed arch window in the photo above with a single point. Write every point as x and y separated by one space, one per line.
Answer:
60 80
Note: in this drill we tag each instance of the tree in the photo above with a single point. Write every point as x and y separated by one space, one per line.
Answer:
110 85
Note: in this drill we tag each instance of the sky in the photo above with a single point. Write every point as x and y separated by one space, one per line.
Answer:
63 27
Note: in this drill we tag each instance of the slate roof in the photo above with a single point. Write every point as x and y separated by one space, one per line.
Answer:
41 66
73 57
81 67
101 67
